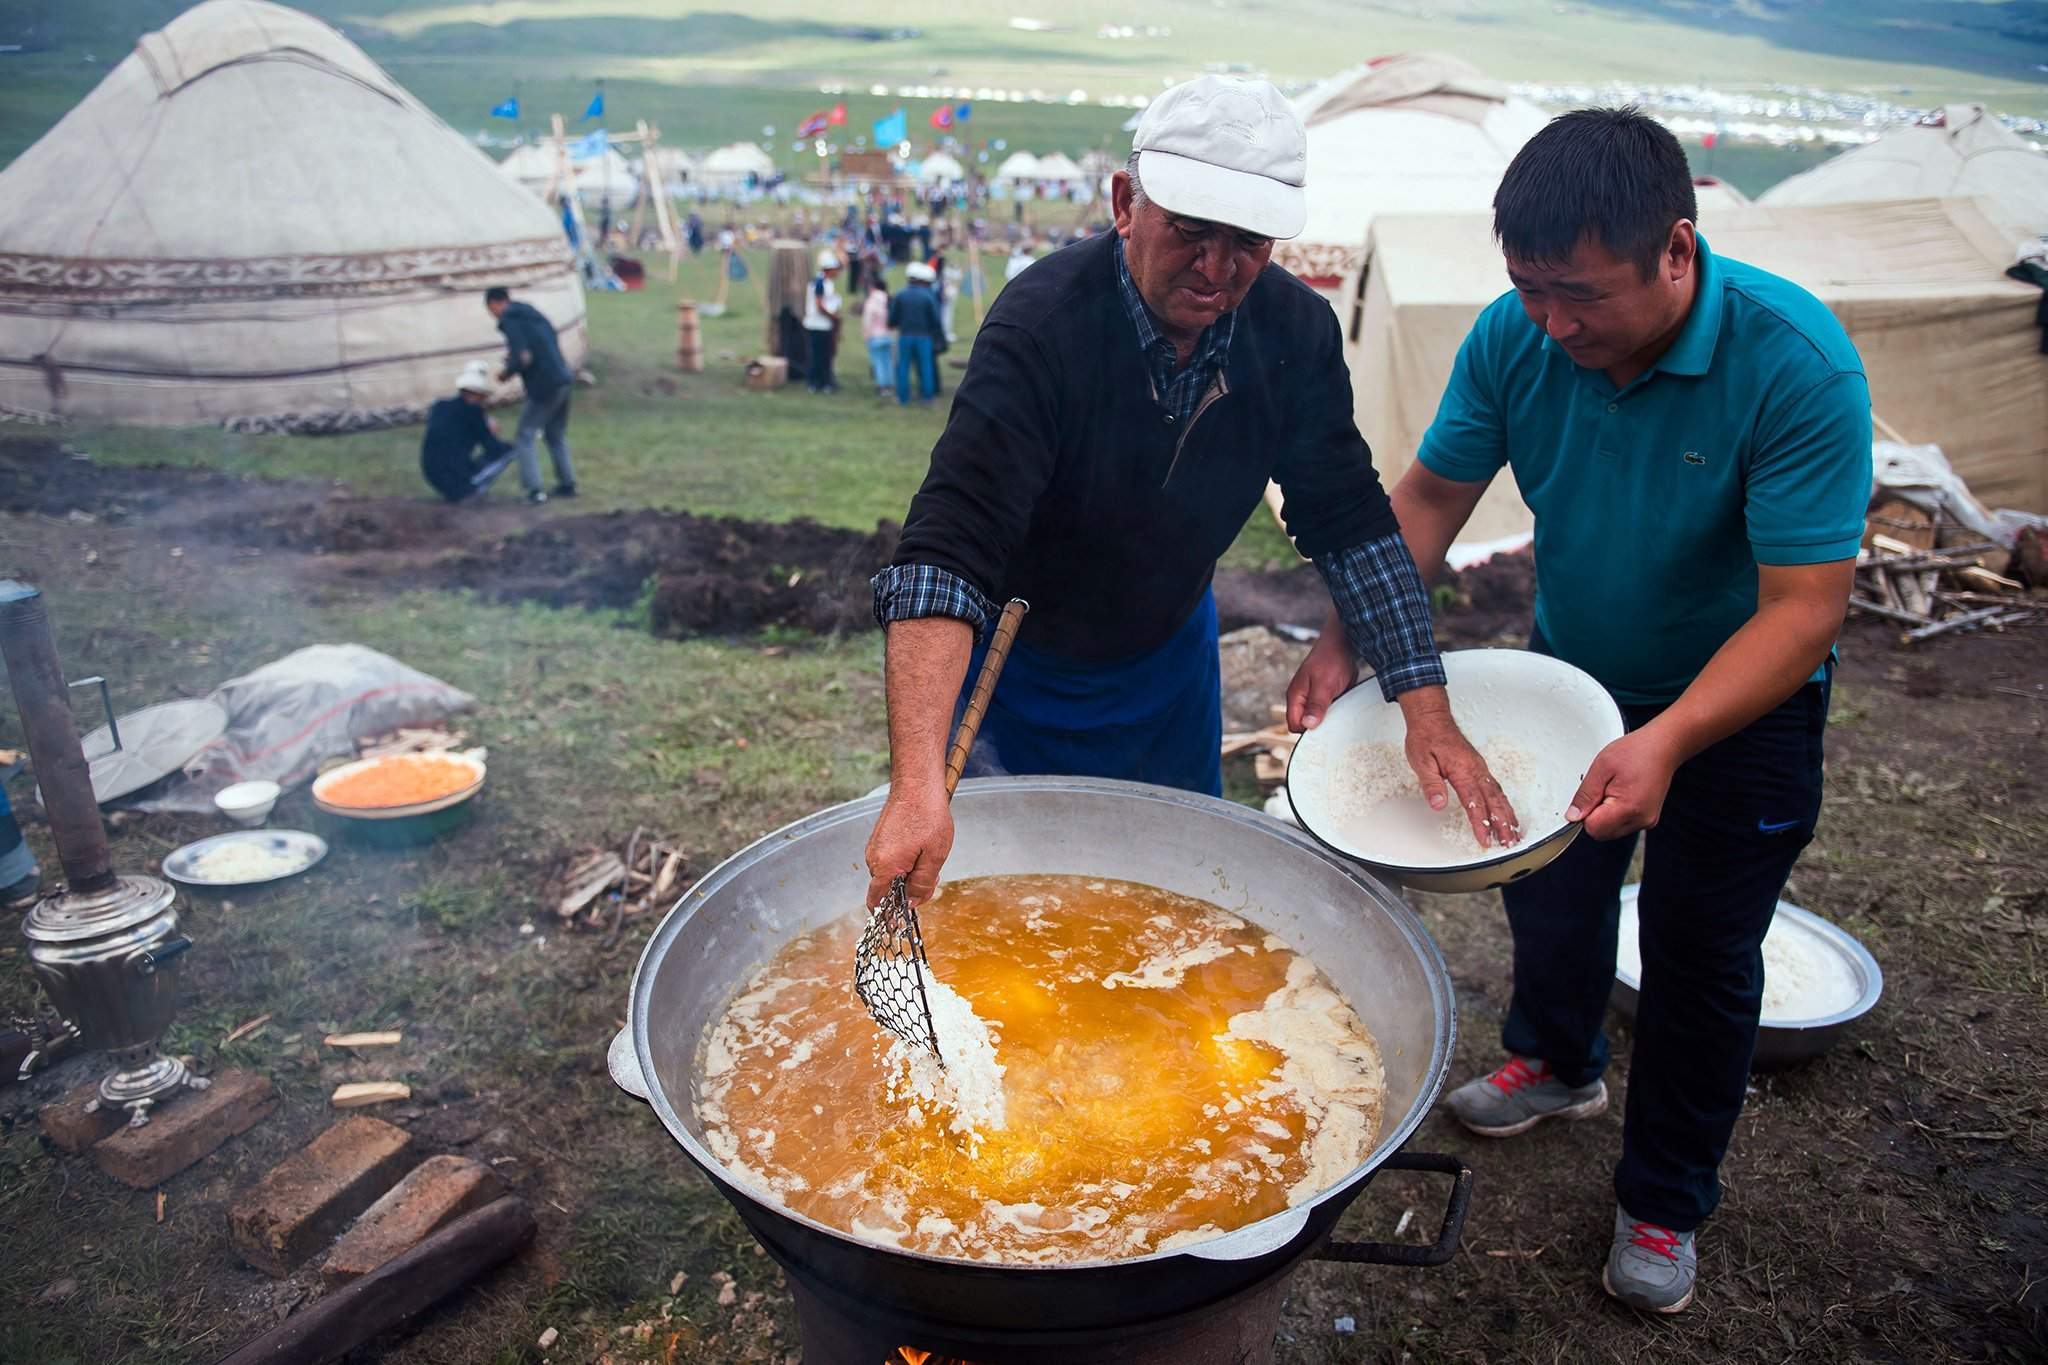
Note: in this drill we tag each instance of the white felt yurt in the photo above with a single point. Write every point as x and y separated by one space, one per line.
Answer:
1060 167
940 169
1018 166
730 166
1415 133
248 221
1961 153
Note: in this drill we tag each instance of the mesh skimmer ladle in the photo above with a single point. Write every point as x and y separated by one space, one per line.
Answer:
889 966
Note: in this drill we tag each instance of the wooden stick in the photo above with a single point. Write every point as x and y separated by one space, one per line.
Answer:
395 1292
1889 613
356 1094
381 1038
984 688
1964 622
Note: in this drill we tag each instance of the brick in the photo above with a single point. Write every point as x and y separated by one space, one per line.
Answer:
308 1197
181 1131
437 1192
66 1123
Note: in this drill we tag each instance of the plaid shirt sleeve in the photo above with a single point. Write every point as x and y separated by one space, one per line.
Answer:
1380 598
904 591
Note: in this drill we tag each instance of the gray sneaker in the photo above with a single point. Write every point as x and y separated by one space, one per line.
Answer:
1650 1267
1521 1095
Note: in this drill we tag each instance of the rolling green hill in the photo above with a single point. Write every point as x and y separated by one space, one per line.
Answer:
711 75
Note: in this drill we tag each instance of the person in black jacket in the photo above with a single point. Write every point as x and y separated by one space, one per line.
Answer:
461 452
1127 401
532 353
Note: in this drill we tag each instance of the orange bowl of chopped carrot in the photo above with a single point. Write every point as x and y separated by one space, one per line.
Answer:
398 785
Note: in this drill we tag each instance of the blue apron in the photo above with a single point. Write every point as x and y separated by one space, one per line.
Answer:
1156 718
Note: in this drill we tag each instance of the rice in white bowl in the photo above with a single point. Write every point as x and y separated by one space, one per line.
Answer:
1805 976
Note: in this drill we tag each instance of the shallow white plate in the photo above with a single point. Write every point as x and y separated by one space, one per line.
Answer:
1555 714
304 849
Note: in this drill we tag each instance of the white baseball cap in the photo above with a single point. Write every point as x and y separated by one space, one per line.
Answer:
828 259
1228 151
476 377
918 270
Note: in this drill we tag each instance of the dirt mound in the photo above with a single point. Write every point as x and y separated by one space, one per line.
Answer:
41 475
707 575
343 523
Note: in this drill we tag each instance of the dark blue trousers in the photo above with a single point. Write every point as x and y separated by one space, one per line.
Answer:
1736 818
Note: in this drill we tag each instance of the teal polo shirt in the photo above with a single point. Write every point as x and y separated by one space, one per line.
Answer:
1747 443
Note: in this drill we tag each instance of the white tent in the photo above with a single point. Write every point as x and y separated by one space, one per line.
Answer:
248 220
1018 166
674 169
1949 343
939 168
1965 152
729 166
1416 133
1060 166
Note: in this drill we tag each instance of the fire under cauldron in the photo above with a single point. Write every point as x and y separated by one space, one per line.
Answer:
1214 1301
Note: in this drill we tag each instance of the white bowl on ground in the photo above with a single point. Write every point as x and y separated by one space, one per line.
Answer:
1538 720
248 803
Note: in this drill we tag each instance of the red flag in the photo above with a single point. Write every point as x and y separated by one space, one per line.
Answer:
837 118
814 125
942 117
1708 140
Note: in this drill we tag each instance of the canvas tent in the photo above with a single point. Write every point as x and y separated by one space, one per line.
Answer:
248 220
1416 133
729 166
1965 153
1949 343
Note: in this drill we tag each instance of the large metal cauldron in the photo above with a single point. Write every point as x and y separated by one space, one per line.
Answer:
812 872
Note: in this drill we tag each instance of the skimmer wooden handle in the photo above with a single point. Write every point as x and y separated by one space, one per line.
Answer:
984 688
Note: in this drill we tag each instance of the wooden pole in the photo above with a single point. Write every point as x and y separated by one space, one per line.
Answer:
397 1291
974 282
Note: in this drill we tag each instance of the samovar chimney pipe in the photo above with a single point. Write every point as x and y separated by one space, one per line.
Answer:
61 770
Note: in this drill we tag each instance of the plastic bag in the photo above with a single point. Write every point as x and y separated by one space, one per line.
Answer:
313 704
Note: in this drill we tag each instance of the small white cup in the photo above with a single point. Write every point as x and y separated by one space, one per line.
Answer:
248 803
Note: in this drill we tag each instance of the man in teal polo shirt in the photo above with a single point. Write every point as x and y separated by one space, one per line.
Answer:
1693 438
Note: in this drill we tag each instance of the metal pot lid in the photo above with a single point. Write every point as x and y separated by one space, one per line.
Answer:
68 916
155 741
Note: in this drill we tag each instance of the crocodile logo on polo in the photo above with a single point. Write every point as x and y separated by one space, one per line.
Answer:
1694 457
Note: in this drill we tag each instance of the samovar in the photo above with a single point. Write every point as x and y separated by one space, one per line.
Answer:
106 947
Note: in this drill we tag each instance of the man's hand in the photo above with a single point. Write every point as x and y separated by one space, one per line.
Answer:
1442 756
911 840
1624 789
1329 671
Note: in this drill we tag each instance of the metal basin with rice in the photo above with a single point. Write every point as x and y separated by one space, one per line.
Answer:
1551 716
801 877
1785 1037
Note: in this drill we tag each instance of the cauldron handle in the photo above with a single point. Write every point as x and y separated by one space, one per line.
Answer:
1397 1253
624 1066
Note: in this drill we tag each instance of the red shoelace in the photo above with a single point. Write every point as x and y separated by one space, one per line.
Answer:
1516 1074
1650 1237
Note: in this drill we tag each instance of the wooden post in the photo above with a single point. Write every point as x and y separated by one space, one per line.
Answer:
974 282
689 340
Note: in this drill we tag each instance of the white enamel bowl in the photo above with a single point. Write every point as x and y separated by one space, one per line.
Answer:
1556 715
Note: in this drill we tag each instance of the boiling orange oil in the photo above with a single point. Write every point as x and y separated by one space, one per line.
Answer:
1132 1116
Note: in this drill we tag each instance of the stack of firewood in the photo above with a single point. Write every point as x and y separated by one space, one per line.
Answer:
1905 574
1270 748
600 885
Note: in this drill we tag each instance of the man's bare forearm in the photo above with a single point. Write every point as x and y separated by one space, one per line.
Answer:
1761 665
926 661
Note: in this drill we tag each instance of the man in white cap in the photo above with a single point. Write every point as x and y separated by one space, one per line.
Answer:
1127 401
461 452
821 322
914 313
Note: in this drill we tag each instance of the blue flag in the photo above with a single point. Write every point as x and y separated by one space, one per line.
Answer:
596 109
891 130
509 109
962 112
589 148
